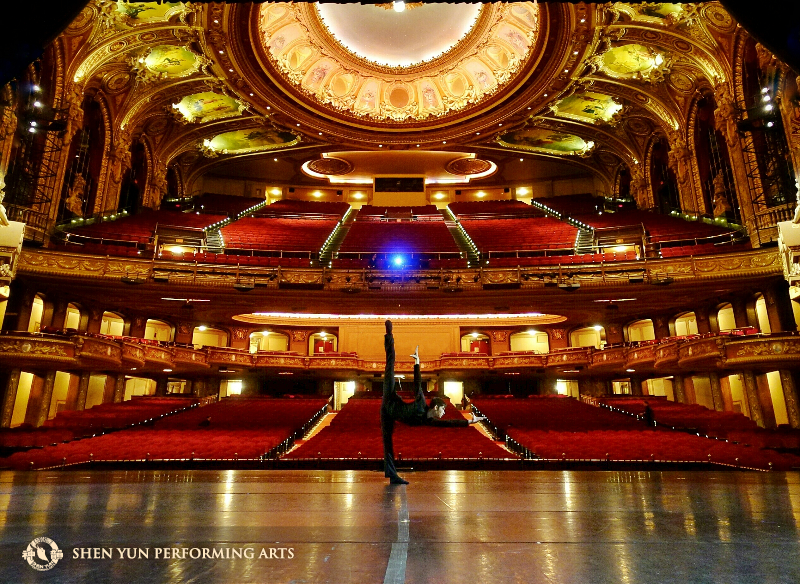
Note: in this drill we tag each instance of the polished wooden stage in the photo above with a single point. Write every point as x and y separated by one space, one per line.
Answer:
251 526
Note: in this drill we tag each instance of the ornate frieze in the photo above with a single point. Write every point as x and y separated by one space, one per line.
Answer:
517 361
782 350
666 355
640 356
91 349
569 358
700 351
613 358
183 357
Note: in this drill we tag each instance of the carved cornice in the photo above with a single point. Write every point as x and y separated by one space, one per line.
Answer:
781 350
756 263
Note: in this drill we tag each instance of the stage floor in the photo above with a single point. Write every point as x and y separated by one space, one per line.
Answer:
445 527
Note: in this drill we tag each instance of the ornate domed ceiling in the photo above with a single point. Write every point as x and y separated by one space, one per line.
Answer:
386 66
261 89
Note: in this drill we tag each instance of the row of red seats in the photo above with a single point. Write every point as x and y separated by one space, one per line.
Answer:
238 427
355 432
701 249
408 237
564 260
648 444
467 209
516 234
278 233
582 204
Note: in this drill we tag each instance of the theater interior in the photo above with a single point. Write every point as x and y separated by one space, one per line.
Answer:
585 215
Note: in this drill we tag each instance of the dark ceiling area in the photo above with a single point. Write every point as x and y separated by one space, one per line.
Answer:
774 23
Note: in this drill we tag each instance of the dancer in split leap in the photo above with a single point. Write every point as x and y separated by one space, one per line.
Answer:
416 413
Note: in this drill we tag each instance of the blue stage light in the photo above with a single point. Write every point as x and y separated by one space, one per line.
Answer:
397 261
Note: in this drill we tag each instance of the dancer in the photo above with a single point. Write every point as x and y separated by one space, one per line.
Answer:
416 413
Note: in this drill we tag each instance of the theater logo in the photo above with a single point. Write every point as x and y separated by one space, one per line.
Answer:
42 554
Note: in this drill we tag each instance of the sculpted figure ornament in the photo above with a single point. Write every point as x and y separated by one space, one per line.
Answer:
638 189
119 159
8 119
74 202
157 188
3 216
679 159
75 115
721 205
726 115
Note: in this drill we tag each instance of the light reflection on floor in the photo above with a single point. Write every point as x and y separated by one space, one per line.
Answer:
464 526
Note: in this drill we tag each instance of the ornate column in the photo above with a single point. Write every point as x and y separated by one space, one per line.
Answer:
138 326
119 389
59 313
680 162
791 396
9 398
726 118
779 307
8 126
161 386
641 189
661 327
47 396
678 389
751 390
716 391
73 103
636 386
119 162
156 186
24 306
614 334
701 317
740 312
557 338
83 390
95 320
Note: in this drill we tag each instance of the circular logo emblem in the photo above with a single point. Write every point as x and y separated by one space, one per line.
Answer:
42 554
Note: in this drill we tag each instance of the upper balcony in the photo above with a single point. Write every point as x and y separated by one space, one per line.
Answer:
84 352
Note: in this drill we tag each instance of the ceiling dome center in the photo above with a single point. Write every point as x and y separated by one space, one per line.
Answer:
399 39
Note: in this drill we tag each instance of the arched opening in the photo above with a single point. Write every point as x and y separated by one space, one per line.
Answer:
640 330
763 124
37 313
622 184
204 336
139 386
158 330
134 180
322 342
685 324
662 178
268 341
726 321
530 341
475 343
590 336
85 164
73 318
761 314
112 324
713 162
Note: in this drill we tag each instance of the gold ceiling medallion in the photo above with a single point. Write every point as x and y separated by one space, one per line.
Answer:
167 62
331 166
468 166
477 67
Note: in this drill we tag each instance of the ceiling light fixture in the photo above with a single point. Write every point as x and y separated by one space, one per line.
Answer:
398 6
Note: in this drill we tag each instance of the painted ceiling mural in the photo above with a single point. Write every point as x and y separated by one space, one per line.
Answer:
511 81
588 106
248 141
208 106
546 141
345 82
